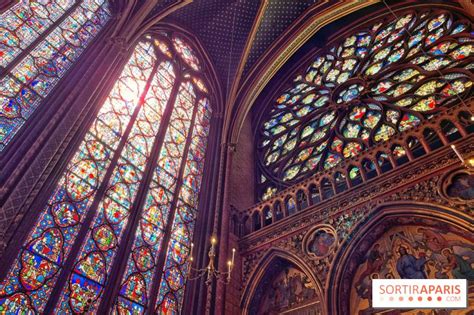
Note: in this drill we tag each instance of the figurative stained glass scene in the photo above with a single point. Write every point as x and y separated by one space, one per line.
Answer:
155 121
39 42
377 81
236 157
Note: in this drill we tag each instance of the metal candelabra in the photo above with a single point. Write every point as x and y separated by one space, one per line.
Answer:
469 163
210 270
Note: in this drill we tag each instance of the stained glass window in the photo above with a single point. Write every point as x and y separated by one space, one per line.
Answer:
133 182
368 85
39 41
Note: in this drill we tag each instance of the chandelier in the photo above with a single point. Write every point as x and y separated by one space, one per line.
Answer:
210 271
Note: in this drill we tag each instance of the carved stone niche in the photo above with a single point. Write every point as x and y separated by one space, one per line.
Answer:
458 187
320 241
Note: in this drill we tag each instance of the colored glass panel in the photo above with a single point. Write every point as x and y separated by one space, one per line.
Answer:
382 79
186 53
25 22
114 208
171 292
139 274
112 160
31 77
155 215
71 199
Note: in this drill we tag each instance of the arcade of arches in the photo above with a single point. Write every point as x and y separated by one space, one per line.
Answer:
329 143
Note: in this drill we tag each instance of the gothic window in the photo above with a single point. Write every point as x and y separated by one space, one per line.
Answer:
371 83
39 42
118 226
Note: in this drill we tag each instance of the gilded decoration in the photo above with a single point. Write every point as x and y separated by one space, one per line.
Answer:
409 252
436 237
285 288
458 187
395 186
343 216
320 241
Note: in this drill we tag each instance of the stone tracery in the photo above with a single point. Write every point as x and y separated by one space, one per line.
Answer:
380 80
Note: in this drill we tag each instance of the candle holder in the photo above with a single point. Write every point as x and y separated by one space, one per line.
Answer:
468 163
210 271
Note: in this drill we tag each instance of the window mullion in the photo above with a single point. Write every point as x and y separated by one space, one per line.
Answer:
71 259
112 287
25 52
170 219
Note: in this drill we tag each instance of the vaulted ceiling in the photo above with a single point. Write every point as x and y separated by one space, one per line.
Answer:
223 27
235 31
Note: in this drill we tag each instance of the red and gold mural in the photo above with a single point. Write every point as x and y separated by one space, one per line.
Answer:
285 289
413 252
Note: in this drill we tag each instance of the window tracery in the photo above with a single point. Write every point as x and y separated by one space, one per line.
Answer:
369 85
39 42
133 182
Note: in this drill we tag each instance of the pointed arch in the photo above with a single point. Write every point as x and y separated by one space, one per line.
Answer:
208 70
367 232
130 192
264 264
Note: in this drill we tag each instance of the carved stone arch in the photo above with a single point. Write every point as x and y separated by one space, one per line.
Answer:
366 233
265 263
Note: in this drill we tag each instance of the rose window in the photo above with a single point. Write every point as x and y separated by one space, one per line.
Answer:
381 79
